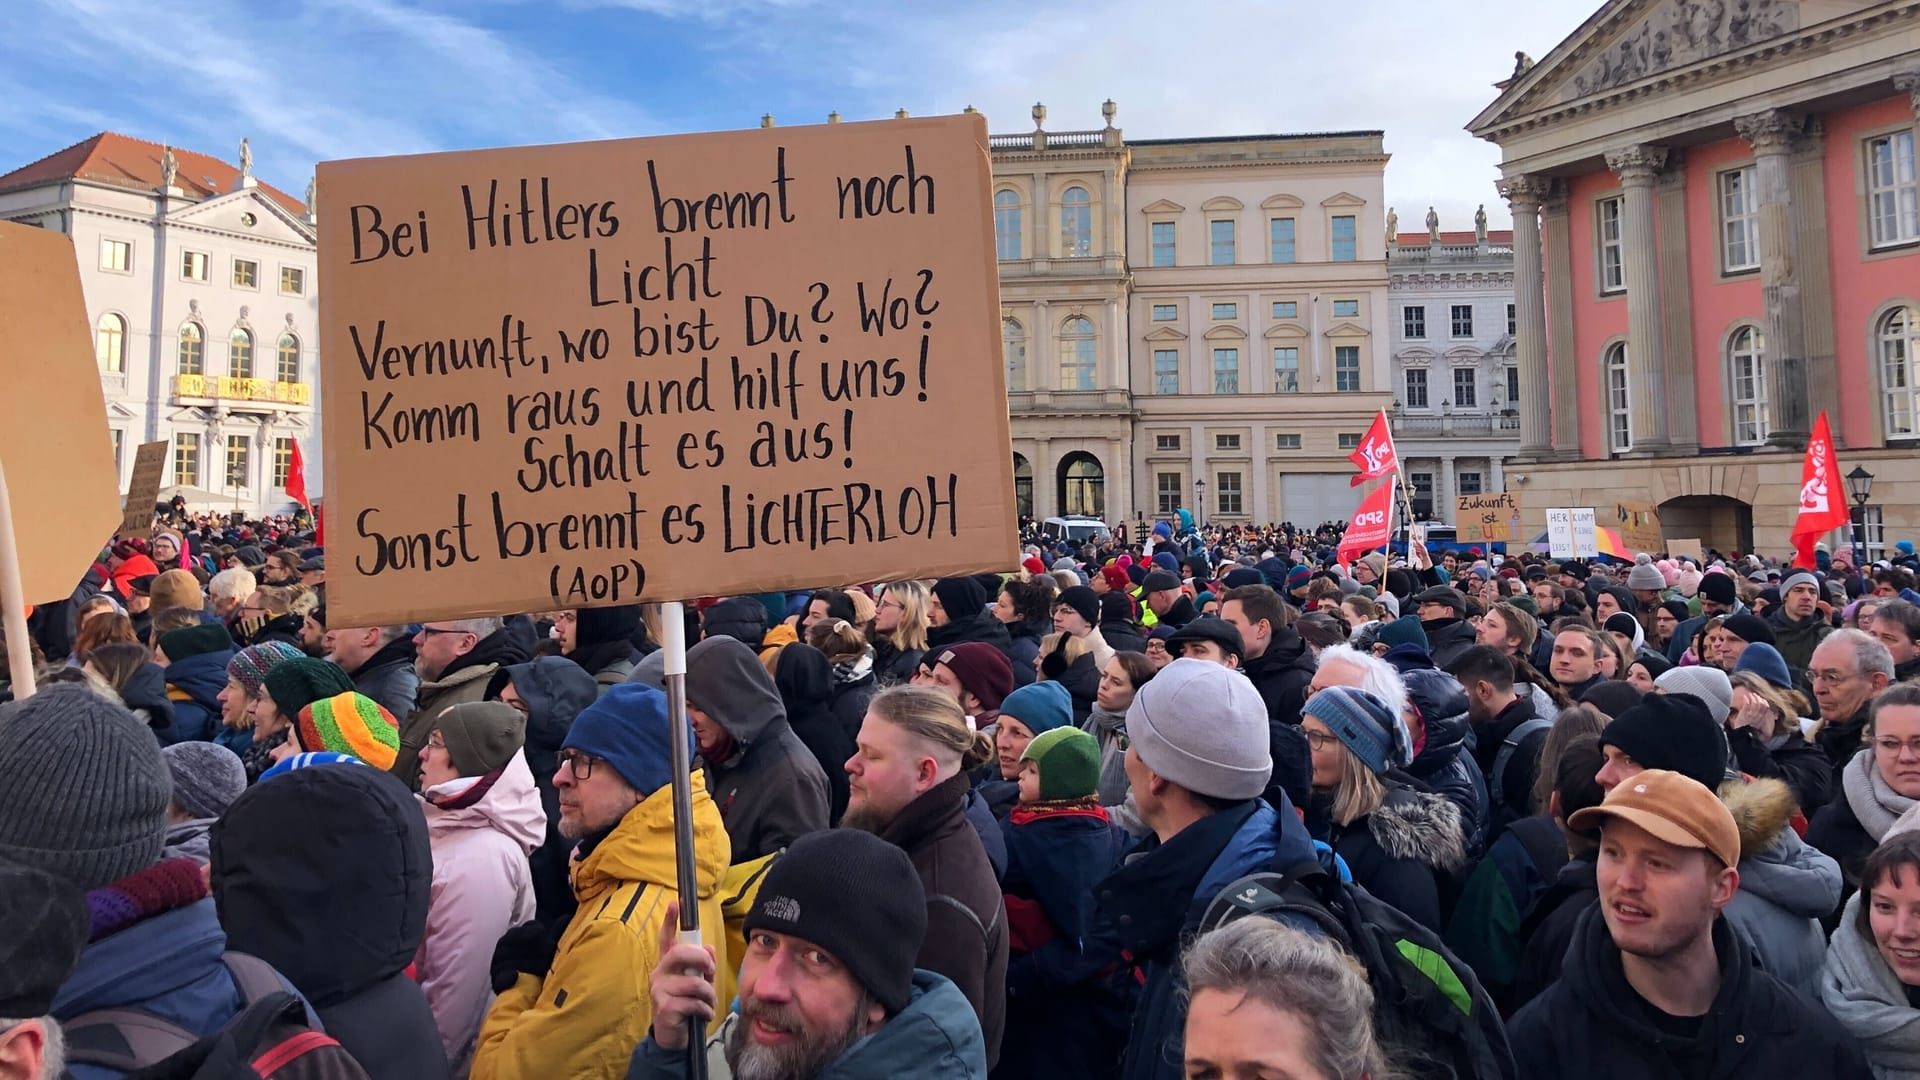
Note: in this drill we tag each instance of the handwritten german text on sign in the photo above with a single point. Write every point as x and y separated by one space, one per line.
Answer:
1638 526
1571 533
591 374
149 462
1486 518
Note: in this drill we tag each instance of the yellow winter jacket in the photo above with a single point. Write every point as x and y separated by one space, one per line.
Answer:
584 1019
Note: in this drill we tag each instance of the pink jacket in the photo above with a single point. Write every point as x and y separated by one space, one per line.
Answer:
481 888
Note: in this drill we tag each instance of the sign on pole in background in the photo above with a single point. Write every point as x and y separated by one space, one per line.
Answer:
143 491
1687 546
652 369
1571 533
1487 518
1638 525
53 422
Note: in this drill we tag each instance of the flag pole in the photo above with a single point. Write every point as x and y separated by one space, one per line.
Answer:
673 650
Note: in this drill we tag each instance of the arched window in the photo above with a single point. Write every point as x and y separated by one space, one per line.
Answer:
110 343
1747 376
192 353
1022 486
240 353
1899 335
1006 224
1083 485
1076 354
1076 223
1619 419
1013 345
287 366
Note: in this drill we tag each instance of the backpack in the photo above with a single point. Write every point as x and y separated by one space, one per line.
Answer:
268 1039
1497 783
1427 1004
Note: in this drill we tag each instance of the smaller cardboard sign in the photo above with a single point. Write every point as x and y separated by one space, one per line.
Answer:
1571 533
1688 547
1638 526
143 491
1487 518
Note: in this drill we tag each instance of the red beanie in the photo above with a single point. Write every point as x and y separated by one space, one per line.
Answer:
1032 565
1116 578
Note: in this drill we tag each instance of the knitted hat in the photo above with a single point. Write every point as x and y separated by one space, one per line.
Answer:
83 791
1377 563
1645 577
1671 731
1623 624
1040 706
1032 565
805 892
962 597
1799 577
1749 628
1116 606
43 928
481 736
1405 630
199 640
1160 581
1246 575
308 760
1765 661
298 683
1219 631
1611 696
983 671
1688 581
350 723
1084 602
249 666
1298 577
207 777
1116 577
1359 720
628 728
176 588
1709 684
1656 665
1068 760
1718 587
1204 728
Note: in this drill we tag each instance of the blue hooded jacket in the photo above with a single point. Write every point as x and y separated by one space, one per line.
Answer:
194 685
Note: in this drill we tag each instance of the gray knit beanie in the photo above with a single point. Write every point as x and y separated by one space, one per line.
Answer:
1203 727
1709 684
83 790
1646 577
207 777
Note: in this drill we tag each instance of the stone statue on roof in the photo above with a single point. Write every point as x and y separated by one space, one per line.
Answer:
1393 224
1433 225
169 168
310 195
1480 223
246 159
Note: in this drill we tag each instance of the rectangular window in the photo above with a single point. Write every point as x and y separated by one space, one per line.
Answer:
236 461
293 281
1280 240
1349 440
1220 243
1416 388
1226 371
193 265
1166 373
1227 491
1166 442
1286 309
1166 312
246 274
1226 311
1512 323
1162 235
1462 320
1893 193
119 441
1286 441
1465 390
1422 483
282 461
116 255
1413 322
1346 245
1739 220
1469 483
1226 442
1613 270
186 458
1346 369
1169 488
1513 387
1286 370
1346 309
1873 517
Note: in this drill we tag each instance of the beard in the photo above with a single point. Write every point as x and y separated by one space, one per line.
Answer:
800 1059
867 817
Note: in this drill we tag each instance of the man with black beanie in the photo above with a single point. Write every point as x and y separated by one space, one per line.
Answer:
1076 612
43 927
827 980
1665 731
1718 596
957 613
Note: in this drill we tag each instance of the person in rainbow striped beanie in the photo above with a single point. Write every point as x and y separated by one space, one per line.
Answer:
350 723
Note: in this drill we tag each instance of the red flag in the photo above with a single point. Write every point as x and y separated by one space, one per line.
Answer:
1822 507
297 478
1375 457
1372 524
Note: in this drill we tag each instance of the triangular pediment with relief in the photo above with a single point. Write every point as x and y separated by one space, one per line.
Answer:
247 212
1162 206
1346 329
1165 333
1344 198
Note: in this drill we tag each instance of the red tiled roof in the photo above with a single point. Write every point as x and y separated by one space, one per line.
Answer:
1420 239
122 161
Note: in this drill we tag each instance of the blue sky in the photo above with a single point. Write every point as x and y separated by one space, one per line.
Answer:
310 80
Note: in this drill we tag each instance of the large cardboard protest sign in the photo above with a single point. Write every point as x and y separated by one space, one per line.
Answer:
1572 533
1638 526
1486 518
143 492
649 369
53 421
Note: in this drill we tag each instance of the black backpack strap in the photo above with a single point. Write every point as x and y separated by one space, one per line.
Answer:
253 977
1300 889
123 1039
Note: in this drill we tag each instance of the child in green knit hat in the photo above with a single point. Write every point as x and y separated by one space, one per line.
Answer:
1061 765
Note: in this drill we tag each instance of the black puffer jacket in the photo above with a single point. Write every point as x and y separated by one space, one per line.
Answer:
555 690
1282 675
326 873
805 680
893 665
977 627
1399 852
1443 762
1025 646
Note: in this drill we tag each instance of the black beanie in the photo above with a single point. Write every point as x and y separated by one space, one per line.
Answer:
962 597
1116 607
43 928
806 893
597 626
1749 628
1612 697
1718 588
1084 602
1671 731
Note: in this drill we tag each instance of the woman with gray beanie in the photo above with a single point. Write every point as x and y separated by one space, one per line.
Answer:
207 777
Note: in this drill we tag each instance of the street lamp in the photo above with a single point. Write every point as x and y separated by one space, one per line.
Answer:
1860 486
1200 503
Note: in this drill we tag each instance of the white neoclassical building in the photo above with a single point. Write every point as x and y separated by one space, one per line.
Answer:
200 287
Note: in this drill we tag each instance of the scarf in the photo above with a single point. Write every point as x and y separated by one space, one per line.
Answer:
1089 806
852 671
463 791
1110 730
165 886
1874 803
1862 993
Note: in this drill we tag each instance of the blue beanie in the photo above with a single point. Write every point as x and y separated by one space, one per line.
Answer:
1168 561
1041 706
1360 720
1765 661
1405 630
627 728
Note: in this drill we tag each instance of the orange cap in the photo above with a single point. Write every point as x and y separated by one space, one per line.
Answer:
1674 808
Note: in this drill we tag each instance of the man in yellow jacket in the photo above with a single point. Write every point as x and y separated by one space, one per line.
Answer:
576 1008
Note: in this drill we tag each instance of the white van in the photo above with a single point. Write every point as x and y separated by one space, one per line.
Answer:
1077 529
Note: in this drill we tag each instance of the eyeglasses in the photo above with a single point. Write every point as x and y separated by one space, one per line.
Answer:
579 764
891 604
1319 741
436 741
428 631
1831 676
1892 746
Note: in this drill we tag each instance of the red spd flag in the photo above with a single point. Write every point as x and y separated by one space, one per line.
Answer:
297 478
1375 457
1371 527
1822 507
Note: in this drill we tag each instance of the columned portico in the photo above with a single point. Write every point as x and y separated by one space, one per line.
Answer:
1524 194
1771 135
1637 166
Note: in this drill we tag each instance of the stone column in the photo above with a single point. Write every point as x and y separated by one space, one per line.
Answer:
1637 166
1444 485
1771 135
1816 277
1496 474
1046 481
1119 487
1040 349
1525 195
1562 352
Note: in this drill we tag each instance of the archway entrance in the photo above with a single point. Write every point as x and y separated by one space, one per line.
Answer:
1083 485
1722 522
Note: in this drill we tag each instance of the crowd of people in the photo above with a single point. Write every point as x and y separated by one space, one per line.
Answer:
1203 803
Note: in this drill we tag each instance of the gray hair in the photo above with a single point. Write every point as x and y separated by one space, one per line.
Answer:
1310 978
1377 677
234 584
1869 655
53 1058
479 628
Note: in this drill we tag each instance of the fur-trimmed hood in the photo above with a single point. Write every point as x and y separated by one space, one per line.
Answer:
1774 864
1760 808
1420 825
